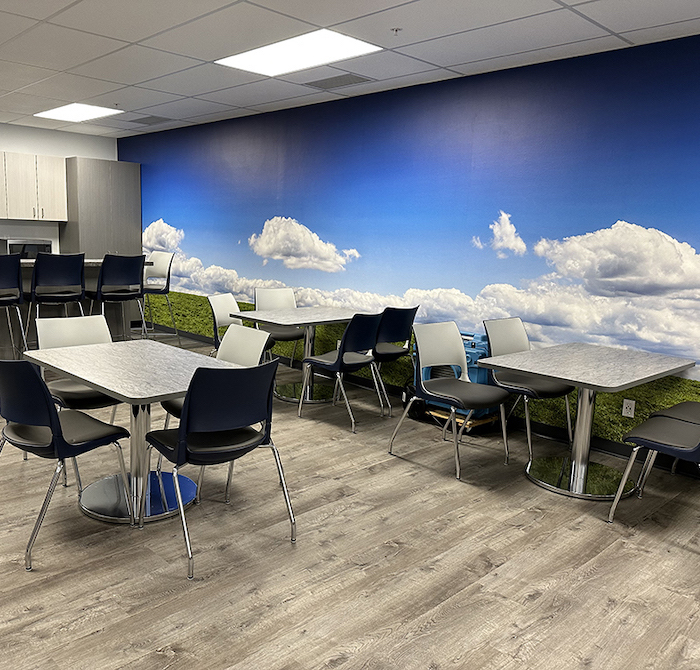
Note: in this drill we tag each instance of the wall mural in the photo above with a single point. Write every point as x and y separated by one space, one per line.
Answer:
566 193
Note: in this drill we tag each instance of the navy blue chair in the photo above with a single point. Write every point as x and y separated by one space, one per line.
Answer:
395 326
34 425
11 294
120 280
674 431
353 354
58 279
441 345
219 424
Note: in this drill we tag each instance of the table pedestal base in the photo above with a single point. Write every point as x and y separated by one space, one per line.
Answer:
291 392
553 474
104 499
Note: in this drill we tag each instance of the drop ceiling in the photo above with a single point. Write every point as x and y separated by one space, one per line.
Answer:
153 59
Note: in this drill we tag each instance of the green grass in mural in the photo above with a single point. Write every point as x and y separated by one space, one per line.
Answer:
601 479
192 315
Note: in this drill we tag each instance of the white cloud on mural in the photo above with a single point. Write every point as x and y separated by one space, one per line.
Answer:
563 306
287 240
505 237
160 236
625 258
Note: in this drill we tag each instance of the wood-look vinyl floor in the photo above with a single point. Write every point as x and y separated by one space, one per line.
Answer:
397 564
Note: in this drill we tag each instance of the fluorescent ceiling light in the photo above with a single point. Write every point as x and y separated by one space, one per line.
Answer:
299 53
77 112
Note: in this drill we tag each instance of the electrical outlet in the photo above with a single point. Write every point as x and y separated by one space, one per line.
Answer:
628 408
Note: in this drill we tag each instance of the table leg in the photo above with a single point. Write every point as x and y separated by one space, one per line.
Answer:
582 440
309 344
140 424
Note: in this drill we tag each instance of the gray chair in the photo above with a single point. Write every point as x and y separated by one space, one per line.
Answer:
279 298
222 306
441 345
674 432
159 265
508 336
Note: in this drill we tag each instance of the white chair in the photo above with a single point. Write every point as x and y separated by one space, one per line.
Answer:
69 393
240 345
158 267
508 336
222 306
279 298
441 345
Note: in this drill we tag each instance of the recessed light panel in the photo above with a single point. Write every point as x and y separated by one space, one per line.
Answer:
77 112
299 53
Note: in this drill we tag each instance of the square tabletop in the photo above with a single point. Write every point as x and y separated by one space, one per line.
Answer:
137 372
300 316
591 366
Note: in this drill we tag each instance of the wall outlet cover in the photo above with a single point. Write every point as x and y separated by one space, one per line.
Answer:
628 408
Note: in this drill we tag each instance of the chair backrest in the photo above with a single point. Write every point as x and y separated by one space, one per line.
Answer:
11 278
71 331
396 324
440 344
162 262
223 399
222 305
121 272
58 270
361 333
24 397
243 345
506 336
275 298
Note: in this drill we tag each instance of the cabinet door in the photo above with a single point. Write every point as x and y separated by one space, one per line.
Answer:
21 186
3 188
51 188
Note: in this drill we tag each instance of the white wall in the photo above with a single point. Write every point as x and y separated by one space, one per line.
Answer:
26 140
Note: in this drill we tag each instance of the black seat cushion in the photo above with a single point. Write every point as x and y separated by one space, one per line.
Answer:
384 352
75 395
352 360
466 395
173 407
667 435
283 333
532 385
684 411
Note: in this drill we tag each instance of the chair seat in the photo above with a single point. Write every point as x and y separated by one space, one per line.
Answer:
666 435
531 385
283 333
208 448
352 361
56 293
75 395
684 411
156 289
173 407
466 395
115 293
385 352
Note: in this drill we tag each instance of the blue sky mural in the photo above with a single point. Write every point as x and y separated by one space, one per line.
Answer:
566 193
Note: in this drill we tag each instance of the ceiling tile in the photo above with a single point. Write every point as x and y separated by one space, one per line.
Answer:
312 74
7 117
326 14
186 107
258 93
56 48
233 113
27 104
88 129
548 30
18 75
620 16
384 65
36 9
70 87
12 25
301 101
134 64
36 122
229 31
131 98
201 79
133 20
428 19
668 32
437 74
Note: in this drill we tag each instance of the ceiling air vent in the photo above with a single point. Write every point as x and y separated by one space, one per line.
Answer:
150 120
338 82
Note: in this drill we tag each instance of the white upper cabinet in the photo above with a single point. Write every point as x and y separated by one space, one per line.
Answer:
36 187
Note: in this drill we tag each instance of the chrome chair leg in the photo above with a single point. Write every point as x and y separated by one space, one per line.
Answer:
675 465
568 421
227 492
172 318
453 422
285 492
144 491
528 428
381 383
621 487
114 414
347 402
161 486
200 483
21 327
144 330
398 425
125 483
646 470
78 481
185 532
42 513
375 375
304 384
505 432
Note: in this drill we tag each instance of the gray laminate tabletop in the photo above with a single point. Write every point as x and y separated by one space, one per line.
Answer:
136 371
591 366
300 316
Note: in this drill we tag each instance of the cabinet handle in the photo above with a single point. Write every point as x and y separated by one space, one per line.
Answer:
42 212
33 212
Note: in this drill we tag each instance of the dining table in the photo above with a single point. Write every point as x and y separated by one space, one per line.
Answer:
307 318
138 373
592 369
